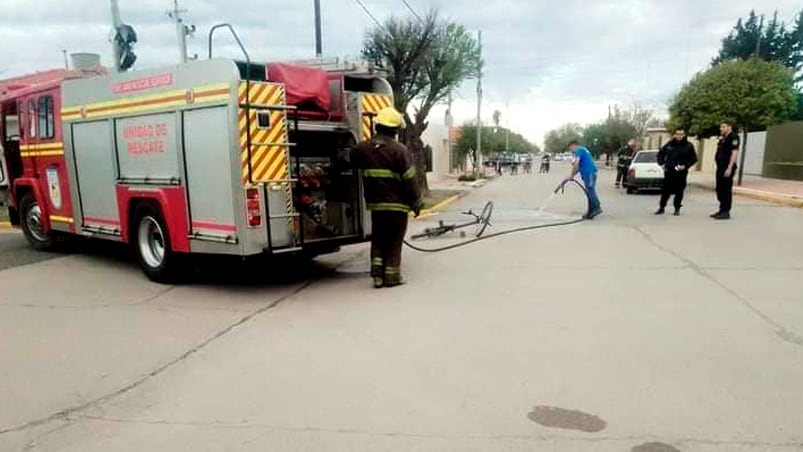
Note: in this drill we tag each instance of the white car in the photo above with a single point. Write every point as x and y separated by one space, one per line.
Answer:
645 172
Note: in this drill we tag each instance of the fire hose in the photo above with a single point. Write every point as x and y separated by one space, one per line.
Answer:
561 188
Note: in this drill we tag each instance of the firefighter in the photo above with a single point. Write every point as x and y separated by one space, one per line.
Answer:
623 160
391 193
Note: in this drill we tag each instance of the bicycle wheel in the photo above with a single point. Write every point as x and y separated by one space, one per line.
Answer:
485 218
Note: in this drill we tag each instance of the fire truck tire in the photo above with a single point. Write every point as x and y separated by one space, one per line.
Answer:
152 245
31 223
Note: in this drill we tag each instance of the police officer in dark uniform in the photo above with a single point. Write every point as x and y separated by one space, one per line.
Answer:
676 157
726 157
391 193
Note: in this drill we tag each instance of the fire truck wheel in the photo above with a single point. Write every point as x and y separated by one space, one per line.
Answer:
31 222
152 244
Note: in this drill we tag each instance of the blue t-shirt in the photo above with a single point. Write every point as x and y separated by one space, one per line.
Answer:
587 165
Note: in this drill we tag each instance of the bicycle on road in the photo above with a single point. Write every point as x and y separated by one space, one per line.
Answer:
481 222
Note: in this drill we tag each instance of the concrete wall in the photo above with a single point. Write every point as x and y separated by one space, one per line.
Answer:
783 158
706 153
437 136
754 153
655 139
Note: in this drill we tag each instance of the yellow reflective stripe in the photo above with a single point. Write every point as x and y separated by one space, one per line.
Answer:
58 219
409 174
392 206
42 147
380 174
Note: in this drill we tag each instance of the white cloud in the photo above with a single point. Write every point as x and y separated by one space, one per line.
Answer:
553 61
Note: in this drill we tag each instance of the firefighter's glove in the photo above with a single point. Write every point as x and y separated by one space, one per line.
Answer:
417 208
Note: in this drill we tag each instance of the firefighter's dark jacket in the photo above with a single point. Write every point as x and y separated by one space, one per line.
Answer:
677 153
624 157
388 173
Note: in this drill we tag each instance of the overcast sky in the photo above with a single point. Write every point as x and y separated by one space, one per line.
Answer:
548 62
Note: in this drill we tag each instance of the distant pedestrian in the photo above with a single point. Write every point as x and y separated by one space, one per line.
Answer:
623 159
727 154
676 157
545 163
583 163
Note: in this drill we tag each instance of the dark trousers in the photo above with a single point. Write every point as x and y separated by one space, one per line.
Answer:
724 191
387 234
621 175
674 184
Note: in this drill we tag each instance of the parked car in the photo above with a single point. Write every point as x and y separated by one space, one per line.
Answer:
645 172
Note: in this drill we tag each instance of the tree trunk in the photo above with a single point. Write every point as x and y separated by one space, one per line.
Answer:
412 139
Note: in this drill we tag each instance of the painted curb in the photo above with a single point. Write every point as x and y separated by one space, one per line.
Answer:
5 226
441 206
766 196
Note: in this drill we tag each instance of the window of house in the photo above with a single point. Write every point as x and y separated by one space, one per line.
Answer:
31 119
47 124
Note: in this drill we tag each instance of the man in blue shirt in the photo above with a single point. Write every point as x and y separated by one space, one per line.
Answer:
583 163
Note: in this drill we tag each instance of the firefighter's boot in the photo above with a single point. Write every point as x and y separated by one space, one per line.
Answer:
393 277
378 272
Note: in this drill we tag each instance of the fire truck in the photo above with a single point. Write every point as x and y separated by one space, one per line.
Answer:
214 156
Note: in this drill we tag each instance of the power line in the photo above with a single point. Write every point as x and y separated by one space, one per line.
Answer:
407 4
367 11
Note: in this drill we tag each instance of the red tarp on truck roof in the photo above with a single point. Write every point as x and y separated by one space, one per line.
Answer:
307 88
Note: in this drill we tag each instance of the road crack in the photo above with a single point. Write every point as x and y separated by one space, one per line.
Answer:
66 413
781 331
225 425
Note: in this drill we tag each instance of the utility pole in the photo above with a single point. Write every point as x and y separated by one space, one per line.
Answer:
449 121
116 22
745 127
182 30
318 38
66 61
758 39
507 127
478 150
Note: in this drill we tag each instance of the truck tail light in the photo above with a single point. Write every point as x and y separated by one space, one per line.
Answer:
632 172
253 207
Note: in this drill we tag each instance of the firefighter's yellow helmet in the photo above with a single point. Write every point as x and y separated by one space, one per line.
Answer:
389 117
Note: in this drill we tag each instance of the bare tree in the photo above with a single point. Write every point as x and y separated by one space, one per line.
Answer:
428 59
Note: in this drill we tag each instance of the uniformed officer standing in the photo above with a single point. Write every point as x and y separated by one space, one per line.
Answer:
727 154
391 193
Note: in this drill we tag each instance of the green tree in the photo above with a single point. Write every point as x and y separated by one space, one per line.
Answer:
556 140
427 60
597 137
778 42
493 142
753 94
626 123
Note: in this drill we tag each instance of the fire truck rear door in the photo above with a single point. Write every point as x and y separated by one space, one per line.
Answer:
209 172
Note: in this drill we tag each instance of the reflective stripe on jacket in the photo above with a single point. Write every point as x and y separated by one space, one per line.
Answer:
388 173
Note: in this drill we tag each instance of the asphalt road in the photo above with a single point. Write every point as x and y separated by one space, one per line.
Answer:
15 251
627 333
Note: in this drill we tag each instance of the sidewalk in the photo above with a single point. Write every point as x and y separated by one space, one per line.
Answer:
777 191
450 182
